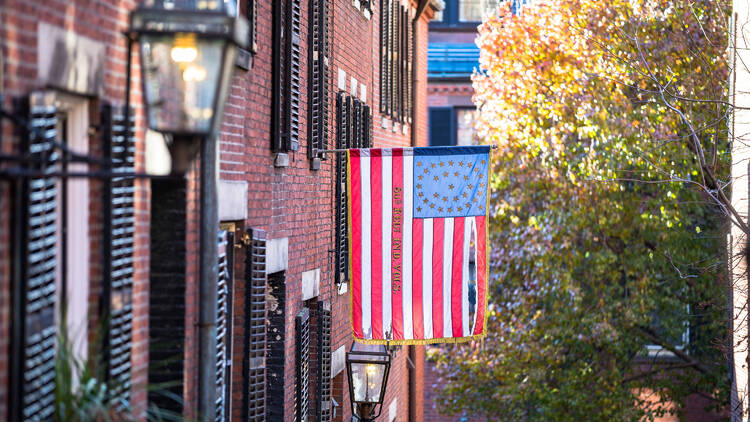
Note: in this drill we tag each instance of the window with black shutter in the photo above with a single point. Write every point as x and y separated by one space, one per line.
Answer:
254 389
119 245
33 331
286 75
325 407
318 49
302 352
353 130
396 56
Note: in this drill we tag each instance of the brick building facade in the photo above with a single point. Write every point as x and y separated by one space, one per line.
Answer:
129 247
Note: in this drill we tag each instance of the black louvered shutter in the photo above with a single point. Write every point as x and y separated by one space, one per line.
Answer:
349 121
411 58
325 408
33 336
286 57
318 77
398 98
366 127
254 389
394 61
252 18
278 53
441 126
356 123
341 246
302 348
384 57
405 75
292 76
119 243
222 327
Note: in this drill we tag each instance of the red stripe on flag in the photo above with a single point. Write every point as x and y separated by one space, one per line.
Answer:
376 221
437 277
481 249
355 185
416 275
457 276
397 237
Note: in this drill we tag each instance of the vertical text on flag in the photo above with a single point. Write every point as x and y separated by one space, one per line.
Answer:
396 239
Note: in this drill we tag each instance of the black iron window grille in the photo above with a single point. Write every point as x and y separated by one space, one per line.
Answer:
396 56
286 95
255 326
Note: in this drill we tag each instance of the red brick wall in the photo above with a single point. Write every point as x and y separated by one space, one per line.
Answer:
292 202
444 94
103 21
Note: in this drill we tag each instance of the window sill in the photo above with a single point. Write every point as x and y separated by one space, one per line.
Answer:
653 353
388 124
366 12
281 160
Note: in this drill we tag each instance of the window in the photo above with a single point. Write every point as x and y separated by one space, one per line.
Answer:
679 338
365 6
353 130
465 126
396 52
452 126
472 10
468 13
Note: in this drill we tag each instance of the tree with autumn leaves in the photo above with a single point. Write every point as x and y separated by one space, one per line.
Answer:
609 213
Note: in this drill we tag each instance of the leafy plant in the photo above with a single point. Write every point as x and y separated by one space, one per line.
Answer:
608 212
82 395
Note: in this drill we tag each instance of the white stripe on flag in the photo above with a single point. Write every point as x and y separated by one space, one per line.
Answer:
387 199
465 278
447 275
407 252
364 164
427 276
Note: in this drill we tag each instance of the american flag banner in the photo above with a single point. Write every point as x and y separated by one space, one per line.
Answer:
418 243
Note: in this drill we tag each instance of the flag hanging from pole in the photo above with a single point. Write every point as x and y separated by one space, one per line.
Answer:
418 243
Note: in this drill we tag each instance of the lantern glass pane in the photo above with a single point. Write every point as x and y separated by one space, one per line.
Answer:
181 74
367 380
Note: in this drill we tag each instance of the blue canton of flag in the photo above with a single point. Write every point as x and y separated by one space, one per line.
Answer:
450 181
